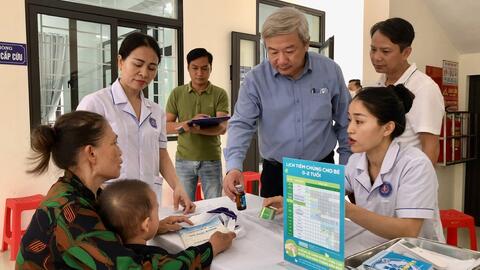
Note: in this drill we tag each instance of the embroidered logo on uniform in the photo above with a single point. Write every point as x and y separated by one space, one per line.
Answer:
385 189
153 122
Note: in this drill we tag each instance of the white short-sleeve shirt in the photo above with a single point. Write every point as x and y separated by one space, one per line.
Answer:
139 139
406 187
427 109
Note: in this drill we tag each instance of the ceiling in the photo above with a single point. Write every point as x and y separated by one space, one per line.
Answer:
461 22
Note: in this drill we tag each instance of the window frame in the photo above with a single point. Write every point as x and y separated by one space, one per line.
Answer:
93 14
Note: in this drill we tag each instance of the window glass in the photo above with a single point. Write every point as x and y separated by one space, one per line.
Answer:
54 66
160 8
93 57
167 77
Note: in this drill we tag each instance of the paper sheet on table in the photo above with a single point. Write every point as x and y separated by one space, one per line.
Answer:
206 224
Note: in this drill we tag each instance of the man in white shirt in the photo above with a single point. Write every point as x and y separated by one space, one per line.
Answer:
390 48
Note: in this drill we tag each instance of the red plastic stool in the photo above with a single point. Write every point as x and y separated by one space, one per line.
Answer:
12 225
248 179
198 192
452 220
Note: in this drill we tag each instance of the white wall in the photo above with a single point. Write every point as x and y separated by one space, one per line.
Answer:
345 21
374 11
430 47
14 138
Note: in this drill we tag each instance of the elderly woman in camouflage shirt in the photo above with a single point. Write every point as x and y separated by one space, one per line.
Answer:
66 231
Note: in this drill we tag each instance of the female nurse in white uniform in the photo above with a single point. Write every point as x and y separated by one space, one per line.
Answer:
139 123
395 187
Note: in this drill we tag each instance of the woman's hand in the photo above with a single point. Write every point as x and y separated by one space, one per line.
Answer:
181 197
221 241
276 202
170 224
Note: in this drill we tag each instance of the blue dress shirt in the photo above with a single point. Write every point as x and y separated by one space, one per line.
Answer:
301 118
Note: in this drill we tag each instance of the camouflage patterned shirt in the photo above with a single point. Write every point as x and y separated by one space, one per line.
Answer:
66 232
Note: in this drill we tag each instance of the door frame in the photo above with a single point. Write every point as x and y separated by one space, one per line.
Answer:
472 173
252 159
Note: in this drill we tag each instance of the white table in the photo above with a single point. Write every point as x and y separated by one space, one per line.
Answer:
262 245
260 248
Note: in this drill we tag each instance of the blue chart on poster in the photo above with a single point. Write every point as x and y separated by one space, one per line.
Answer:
314 214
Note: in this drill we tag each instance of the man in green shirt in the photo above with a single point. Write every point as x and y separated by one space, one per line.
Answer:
198 152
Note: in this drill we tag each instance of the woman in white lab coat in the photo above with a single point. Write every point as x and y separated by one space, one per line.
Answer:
395 186
139 123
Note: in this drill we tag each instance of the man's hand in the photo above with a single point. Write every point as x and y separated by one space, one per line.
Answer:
233 177
194 128
170 224
221 241
181 197
201 115
276 202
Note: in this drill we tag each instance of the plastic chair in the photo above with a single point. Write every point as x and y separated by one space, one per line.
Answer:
249 179
12 230
452 220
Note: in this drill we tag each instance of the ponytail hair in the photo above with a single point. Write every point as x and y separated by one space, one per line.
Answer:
387 104
63 141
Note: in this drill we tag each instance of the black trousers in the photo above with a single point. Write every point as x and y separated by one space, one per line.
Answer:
272 176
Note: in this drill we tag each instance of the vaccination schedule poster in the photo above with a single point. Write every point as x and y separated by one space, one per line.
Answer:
314 212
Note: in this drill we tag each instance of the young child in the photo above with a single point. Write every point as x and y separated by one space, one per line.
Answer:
130 208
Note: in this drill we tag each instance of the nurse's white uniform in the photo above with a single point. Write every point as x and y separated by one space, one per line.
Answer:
139 139
406 187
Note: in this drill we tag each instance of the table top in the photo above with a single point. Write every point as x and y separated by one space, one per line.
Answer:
260 248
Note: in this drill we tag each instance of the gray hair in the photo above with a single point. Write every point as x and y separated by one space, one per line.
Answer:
286 20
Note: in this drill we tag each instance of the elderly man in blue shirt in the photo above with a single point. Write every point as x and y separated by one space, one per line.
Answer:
299 101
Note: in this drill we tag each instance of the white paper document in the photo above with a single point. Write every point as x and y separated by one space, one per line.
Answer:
205 225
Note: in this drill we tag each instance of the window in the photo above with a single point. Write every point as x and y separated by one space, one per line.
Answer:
162 8
315 18
77 51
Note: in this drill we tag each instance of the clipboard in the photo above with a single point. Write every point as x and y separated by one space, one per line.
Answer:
208 122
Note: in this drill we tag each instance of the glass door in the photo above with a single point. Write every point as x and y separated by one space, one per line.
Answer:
72 62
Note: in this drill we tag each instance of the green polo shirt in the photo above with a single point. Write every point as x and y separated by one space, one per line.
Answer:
185 103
